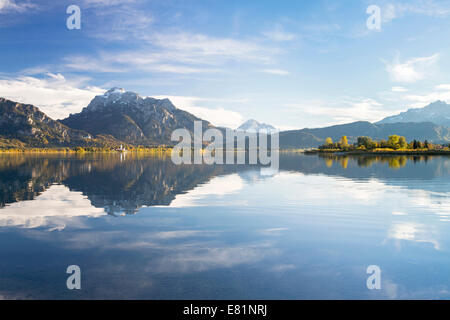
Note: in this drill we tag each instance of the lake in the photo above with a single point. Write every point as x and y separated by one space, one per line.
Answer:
141 227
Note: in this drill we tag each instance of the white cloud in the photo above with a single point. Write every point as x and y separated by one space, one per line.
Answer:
131 62
400 9
283 267
412 70
217 116
118 19
11 5
106 3
54 208
279 35
82 63
347 110
276 72
218 186
421 99
171 68
54 94
412 232
443 86
183 53
388 13
418 101
399 89
423 7
201 46
115 20
202 258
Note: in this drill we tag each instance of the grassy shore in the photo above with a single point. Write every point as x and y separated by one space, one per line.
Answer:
108 150
84 150
382 152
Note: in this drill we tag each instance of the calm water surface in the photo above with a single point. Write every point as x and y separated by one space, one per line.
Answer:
142 227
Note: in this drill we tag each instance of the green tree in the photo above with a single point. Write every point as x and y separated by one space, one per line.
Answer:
366 142
396 142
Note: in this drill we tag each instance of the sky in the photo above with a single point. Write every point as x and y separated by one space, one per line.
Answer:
292 64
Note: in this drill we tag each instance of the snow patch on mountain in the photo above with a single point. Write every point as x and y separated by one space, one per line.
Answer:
254 126
437 112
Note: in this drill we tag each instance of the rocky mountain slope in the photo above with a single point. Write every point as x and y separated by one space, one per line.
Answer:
437 112
27 125
123 117
133 119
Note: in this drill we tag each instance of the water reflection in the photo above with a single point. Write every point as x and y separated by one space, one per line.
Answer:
93 184
109 181
121 184
393 161
238 232
54 208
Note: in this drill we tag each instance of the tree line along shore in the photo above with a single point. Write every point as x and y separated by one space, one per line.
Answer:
395 144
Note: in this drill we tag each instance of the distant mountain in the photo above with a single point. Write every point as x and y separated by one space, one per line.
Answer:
314 137
25 125
123 117
133 119
254 126
295 139
437 112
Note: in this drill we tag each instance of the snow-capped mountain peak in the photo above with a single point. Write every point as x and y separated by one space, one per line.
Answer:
437 112
255 126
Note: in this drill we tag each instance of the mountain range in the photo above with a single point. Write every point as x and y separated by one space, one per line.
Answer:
308 138
24 125
130 118
431 123
437 112
124 117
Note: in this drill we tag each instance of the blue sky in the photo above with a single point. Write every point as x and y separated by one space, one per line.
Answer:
292 64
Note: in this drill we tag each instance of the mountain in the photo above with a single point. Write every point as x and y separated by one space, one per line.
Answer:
314 137
437 112
25 125
295 139
254 126
123 117
133 119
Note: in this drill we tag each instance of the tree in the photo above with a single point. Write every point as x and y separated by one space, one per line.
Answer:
344 142
397 142
402 143
384 144
328 141
426 144
393 141
366 142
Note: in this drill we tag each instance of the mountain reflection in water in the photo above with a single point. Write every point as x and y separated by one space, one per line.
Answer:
122 185
140 226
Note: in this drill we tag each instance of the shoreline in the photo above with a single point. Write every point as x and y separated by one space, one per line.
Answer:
73 151
169 149
390 152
